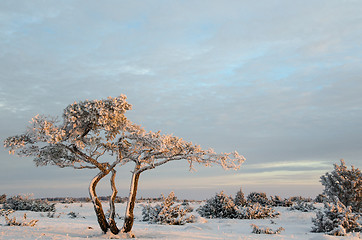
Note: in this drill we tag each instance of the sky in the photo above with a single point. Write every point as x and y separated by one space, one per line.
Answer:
278 81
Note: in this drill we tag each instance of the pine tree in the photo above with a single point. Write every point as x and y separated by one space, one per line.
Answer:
255 197
239 198
220 206
345 185
92 130
27 203
336 219
302 206
256 211
277 201
167 212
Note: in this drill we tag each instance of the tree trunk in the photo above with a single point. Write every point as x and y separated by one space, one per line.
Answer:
96 203
112 224
129 216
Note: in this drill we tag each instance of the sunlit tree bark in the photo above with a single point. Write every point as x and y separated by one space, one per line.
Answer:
112 224
102 221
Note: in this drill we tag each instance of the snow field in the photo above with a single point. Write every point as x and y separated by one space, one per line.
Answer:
297 226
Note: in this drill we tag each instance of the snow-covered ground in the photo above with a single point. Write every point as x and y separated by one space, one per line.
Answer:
297 226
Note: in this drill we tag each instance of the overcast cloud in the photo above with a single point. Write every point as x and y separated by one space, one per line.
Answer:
278 81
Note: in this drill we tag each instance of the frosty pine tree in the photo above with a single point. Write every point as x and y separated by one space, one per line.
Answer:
345 185
239 198
336 219
91 130
220 206
167 212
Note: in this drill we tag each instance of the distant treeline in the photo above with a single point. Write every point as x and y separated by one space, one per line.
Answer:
3 198
106 198
82 199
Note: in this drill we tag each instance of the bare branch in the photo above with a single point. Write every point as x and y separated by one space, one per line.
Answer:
88 159
83 167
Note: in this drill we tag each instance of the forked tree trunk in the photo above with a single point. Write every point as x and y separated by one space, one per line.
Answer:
129 216
102 221
112 224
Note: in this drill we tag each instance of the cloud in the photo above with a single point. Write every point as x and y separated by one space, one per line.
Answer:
294 164
279 81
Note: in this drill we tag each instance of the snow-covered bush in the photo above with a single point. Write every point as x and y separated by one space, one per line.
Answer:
336 219
108 214
320 198
52 215
220 206
303 207
256 211
187 207
26 203
344 184
2 198
277 201
68 200
239 198
74 215
13 222
167 212
300 199
258 230
258 197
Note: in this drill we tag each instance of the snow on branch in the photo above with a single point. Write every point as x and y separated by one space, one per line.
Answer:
345 185
85 134
150 150
96 115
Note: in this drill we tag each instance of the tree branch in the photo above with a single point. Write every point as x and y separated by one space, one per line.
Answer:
88 159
